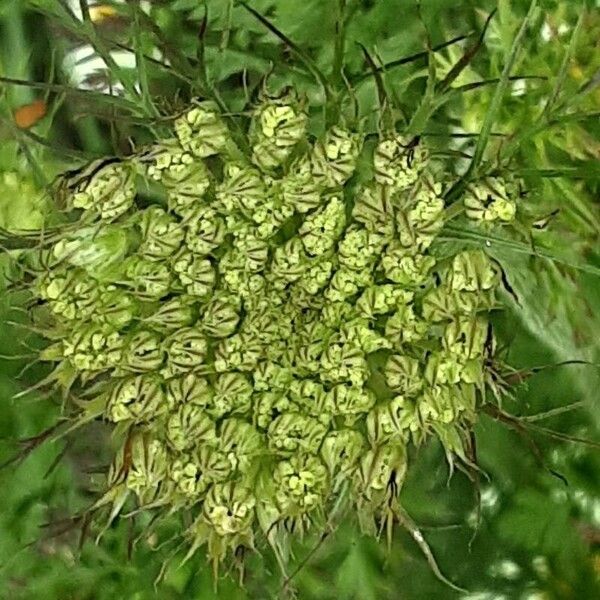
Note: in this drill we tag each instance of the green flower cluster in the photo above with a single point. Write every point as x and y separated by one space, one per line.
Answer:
277 331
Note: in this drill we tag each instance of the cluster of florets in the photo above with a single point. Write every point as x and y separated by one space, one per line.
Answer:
273 330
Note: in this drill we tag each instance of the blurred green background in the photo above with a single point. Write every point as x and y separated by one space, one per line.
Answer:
539 536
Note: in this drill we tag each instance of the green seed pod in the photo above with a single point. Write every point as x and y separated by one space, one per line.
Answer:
443 368
242 189
241 443
278 124
189 426
402 266
147 279
138 399
337 312
346 283
466 338
293 432
359 248
196 274
162 235
69 294
334 158
398 161
301 485
289 263
165 162
189 389
113 307
201 131
238 352
343 362
214 464
490 201
316 276
248 286
320 229
267 406
440 404
220 317
442 304
232 395
109 191
422 218
188 477
142 352
93 348
173 314
186 351
404 327
229 509
380 468
271 215
299 189
373 208
390 422
251 252
382 299
359 332
310 396
185 179
472 271
148 469
341 451
205 230
351 401
269 375
403 375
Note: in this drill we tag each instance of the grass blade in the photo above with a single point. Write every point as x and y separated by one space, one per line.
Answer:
409 59
562 73
453 233
301 54
466 58
494 107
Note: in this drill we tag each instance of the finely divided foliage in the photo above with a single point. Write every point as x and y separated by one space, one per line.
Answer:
271 336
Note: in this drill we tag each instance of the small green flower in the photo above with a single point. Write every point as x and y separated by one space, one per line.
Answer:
321 228
196 274
188 426
232 395
301 483
109 192
229 508
292 432
398 161
490 201
162 235
93 348
278 124
142 352
334 158
139 398
201 131
185 351
147 279
403 375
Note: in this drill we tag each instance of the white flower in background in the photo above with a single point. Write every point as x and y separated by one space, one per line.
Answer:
84 66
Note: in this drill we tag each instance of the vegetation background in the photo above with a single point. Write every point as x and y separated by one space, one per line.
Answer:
539 536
